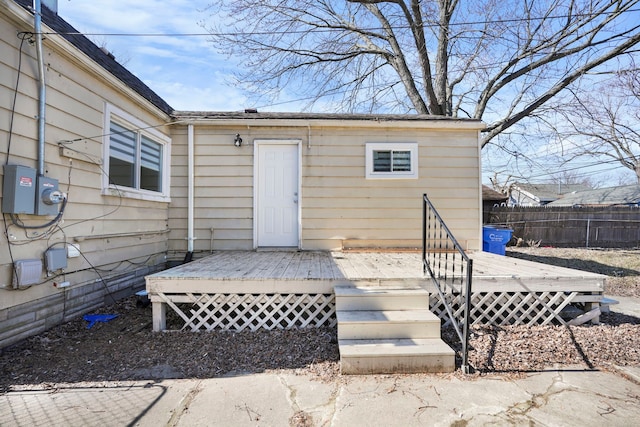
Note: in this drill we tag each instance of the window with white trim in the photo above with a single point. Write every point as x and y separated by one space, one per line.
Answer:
397 160
136 157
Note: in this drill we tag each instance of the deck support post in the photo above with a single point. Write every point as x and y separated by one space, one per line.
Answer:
591 307
159 311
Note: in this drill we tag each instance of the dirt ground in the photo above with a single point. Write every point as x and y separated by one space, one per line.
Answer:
125 348
621 265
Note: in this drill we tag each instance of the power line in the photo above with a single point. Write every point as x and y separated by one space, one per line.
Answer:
583 166
332 29
539 161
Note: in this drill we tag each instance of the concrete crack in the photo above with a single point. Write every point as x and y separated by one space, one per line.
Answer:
319 414
300 418
291 394
538 400
184 405
332 404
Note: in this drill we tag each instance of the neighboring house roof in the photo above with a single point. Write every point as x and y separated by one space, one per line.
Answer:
491 195
626 195
100 57
546 193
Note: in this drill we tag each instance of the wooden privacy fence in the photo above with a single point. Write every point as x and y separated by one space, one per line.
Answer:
604 227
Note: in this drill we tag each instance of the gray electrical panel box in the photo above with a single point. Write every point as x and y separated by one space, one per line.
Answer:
19 189
44 203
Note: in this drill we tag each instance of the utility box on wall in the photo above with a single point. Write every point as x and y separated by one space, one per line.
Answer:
55 259
27 272
44 203
19 190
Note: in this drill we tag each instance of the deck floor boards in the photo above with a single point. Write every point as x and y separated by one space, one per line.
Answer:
489 269
305 281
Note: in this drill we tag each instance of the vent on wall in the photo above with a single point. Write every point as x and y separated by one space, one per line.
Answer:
27 272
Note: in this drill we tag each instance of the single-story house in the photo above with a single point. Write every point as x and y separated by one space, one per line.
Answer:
319 181
531 194
117 183
491 198
626 195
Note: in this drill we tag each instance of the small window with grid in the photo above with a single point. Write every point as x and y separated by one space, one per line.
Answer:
392 160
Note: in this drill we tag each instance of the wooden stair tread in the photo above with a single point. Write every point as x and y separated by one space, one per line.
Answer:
394 316
375 291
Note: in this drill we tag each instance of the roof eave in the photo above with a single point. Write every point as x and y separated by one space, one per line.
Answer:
324 120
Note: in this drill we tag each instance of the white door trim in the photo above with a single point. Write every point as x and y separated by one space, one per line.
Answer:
256 144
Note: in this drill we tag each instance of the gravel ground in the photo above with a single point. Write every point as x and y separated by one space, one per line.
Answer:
126 348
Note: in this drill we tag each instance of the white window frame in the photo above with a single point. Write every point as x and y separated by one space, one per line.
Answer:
136 125
411 147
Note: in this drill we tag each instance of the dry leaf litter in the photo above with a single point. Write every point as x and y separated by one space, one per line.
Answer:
126 348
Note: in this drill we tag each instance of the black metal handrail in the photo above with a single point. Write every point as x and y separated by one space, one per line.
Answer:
450 269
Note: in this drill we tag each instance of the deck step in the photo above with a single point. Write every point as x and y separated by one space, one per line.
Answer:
387 356
376 298
379 324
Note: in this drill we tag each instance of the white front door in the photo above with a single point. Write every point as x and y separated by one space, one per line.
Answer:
277 193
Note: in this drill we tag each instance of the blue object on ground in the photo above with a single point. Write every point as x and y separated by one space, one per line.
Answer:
94 318
495 239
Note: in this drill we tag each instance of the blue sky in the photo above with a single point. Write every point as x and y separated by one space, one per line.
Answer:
184 70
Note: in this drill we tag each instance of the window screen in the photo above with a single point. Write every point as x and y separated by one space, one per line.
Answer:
122 155
151 165
135 160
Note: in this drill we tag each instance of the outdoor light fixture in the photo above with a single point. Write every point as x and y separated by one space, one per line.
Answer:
237 141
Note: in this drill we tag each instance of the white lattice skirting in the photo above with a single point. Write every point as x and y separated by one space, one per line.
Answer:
507 308
238 312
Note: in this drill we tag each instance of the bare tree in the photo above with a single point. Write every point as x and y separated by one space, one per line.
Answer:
502 185
498 61
573 177
605 123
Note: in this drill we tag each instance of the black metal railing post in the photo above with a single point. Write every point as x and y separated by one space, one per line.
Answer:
424 236
467 319
441 254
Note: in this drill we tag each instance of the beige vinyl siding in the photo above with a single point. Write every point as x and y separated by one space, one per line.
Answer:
121 238
223 191
338 205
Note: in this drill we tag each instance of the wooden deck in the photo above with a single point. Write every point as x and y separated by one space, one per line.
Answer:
259 276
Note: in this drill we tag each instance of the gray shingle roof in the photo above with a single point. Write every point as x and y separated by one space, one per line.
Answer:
625 195
248 114
82 43
490 194
550 192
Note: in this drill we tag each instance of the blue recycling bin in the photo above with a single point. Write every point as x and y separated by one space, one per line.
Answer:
495 239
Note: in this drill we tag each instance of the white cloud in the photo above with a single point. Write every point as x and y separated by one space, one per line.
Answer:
142 16
180 66
216 97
